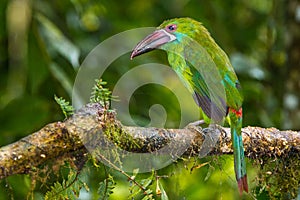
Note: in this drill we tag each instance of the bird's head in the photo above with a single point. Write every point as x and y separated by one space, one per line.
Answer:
168 33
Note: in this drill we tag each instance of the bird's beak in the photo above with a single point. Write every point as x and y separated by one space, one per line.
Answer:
152 41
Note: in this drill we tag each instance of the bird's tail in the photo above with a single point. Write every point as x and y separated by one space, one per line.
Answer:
238 149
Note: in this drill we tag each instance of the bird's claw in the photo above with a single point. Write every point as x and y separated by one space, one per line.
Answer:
196 127
196 123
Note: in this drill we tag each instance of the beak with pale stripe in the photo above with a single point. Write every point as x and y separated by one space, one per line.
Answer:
152 41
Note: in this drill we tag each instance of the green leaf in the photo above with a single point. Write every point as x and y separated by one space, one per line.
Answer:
62 77
38 71
68 189
135 190
164 195
146 182
135 173
209 172
149 195
106 187
100 94
67 109
58 41
55 192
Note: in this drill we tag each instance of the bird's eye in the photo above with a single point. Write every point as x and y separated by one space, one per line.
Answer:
171 27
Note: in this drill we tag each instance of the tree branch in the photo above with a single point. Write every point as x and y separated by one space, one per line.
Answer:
65 138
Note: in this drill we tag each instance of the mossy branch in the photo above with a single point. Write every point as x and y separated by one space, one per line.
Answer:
64 138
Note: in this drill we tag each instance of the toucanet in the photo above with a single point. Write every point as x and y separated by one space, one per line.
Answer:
203 66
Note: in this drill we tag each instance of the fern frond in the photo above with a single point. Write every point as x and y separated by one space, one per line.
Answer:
65 106
101 94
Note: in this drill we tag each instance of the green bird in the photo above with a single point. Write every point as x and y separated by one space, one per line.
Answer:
207 73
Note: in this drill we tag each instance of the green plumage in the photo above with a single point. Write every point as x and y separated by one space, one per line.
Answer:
207 73
188 32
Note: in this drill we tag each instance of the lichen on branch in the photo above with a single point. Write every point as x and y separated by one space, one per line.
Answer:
276 152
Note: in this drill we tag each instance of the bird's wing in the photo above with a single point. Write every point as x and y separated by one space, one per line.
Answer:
207 80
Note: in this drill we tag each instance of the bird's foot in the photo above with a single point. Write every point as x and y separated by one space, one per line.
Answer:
196 123
196 127
210 136
210 140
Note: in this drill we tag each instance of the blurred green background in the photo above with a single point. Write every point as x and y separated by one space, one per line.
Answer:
42 44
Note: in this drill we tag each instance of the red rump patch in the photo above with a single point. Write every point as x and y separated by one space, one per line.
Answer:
238 113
